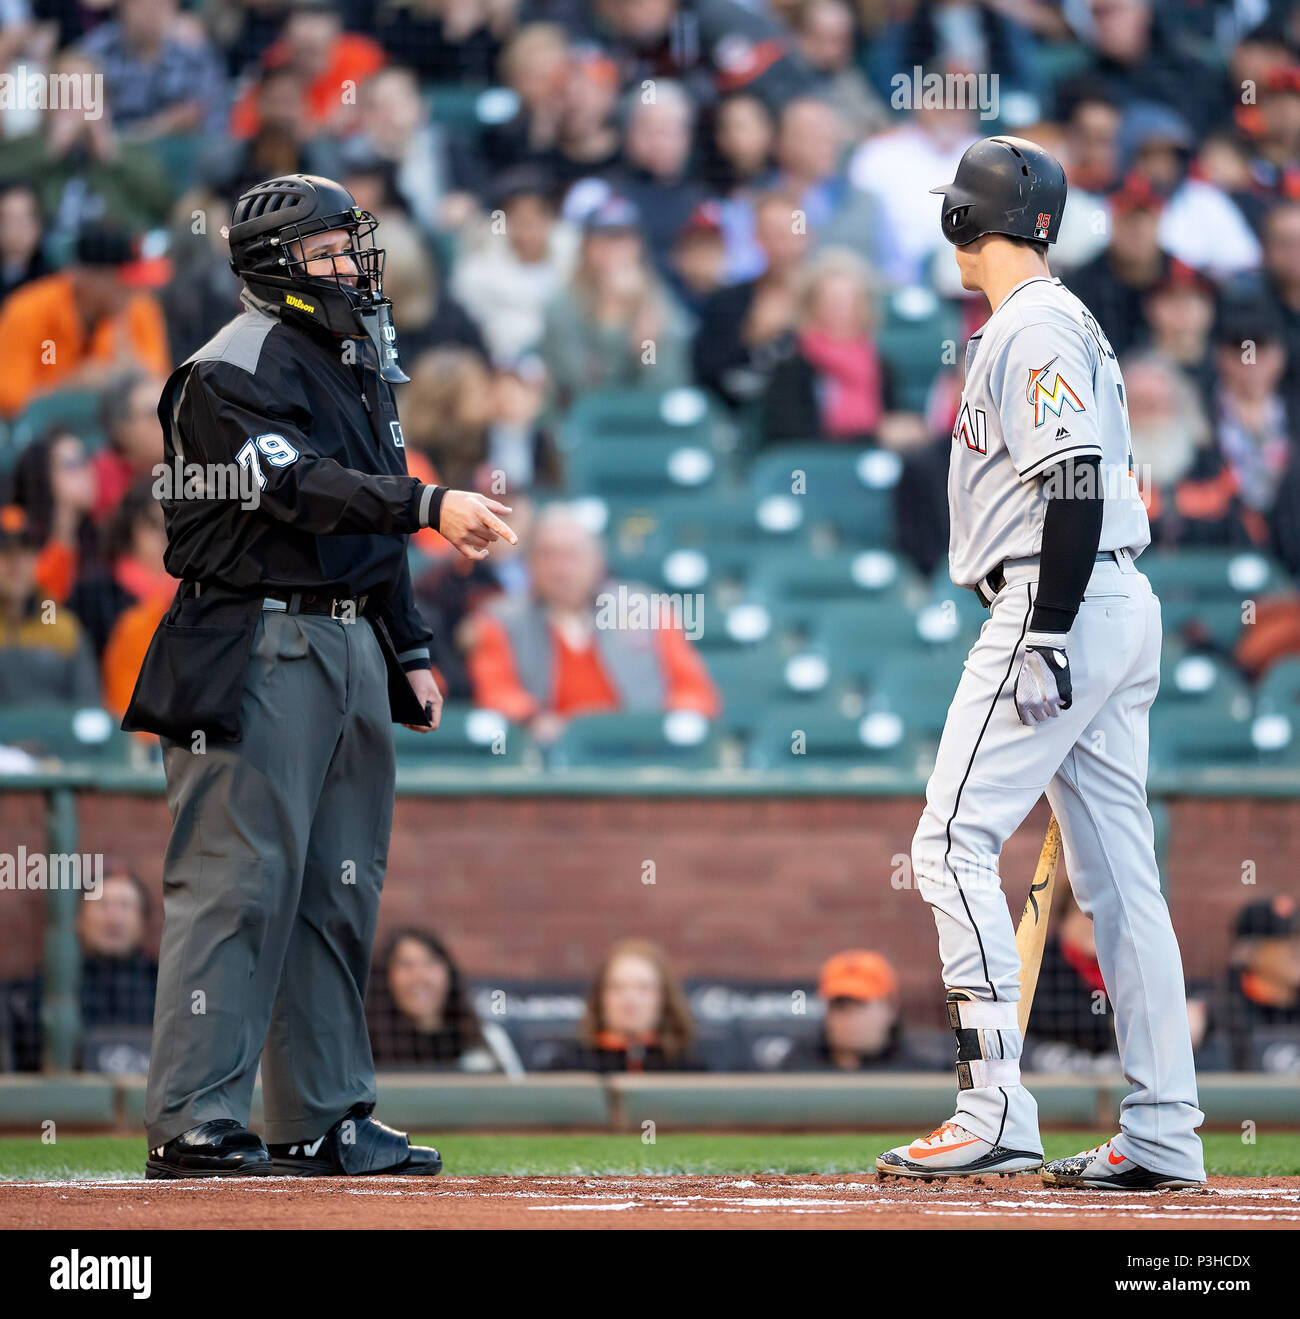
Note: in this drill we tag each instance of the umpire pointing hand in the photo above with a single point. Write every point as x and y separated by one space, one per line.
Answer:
291 647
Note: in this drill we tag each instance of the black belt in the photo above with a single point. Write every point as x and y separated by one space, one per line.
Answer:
344 608
997 579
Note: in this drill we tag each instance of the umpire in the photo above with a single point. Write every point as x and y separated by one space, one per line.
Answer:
291 647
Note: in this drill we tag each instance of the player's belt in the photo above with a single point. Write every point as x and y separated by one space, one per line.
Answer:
991 586
343 608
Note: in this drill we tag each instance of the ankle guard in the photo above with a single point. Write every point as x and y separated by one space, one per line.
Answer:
979 1025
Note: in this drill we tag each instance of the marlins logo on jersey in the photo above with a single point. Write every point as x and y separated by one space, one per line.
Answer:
1051 398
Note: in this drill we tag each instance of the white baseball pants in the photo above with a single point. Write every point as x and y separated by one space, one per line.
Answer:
1092 764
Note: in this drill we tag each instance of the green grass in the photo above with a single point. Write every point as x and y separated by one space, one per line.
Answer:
480 1155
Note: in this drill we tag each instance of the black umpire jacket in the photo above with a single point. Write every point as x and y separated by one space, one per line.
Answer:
285 472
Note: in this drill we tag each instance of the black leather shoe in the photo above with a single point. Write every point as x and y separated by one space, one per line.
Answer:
357 1146
220 1148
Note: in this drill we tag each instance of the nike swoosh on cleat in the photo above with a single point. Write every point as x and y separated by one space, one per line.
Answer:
914 1153
1113 1159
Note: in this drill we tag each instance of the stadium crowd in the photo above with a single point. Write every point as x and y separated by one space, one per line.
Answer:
637 1014
654 200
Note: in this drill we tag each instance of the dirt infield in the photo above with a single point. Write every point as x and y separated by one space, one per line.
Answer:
638 1202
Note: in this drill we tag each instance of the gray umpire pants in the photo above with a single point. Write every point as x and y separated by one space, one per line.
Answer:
271 891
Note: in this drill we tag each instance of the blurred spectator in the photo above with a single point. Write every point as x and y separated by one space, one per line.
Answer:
1179 312
1250 415
425 315
521 258
655 176
22 256
444 41
738 156
544 660
637 1019
1114 283
897 169
79 327
44 656
827 38
129 415
746 329
535 66
699 258
395 128
1141 53
1271 128
446 410
161 75
861 1030
1200 225
809 144
418 1009
833 385
118 982
616 324
282 142
130 604
314 45
83 169
54 484
714 46
203 292
1259 1002
1190 493
588 142
1091 158
1070 1003
957 37
1282 288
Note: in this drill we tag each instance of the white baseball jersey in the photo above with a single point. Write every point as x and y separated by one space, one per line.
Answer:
1042 385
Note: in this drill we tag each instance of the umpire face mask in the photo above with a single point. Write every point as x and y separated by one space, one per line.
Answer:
299 243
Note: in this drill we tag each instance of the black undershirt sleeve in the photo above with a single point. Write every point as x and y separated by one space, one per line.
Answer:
1071 534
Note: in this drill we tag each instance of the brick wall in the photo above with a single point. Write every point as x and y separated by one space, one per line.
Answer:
743 887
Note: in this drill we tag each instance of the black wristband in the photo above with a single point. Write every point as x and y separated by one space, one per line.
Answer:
433 514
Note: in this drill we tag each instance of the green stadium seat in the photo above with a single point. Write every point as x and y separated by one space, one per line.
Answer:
857 640
1208 740
77 409
801 737
640 470
914 330
919 687
844 487
754 679
470 108
690 542
868 576
625 415
679 739
1202 685
1279 689
466 737
68 733
1221 574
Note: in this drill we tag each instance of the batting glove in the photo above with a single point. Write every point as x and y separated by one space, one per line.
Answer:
1043 683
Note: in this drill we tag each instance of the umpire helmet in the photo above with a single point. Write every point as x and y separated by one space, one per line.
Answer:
1004 185
266 252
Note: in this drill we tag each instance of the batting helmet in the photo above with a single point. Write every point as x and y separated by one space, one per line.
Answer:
266 231
1004 185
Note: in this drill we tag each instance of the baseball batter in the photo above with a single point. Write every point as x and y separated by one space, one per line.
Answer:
1046 525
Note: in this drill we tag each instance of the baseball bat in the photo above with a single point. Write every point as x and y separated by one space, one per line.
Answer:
1031 933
